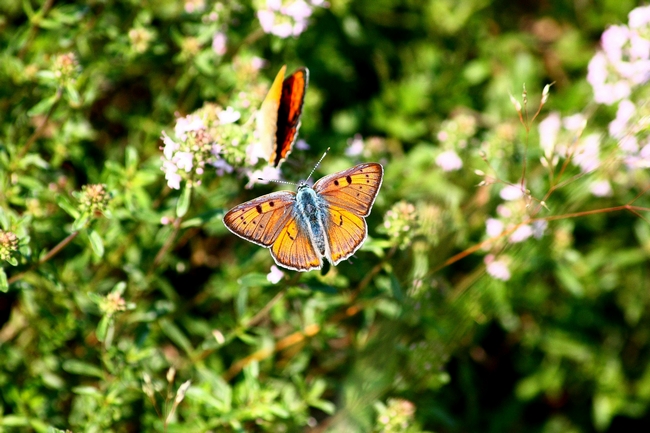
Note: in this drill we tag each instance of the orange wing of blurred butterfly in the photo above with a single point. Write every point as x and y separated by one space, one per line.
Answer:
278 120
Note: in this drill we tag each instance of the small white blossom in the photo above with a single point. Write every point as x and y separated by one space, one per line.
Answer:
449 161
187 124
263 176
511 192
275 275
170 146
184 161
219 43
493 227
521 233
229 115
601 188
496 268
587 154
355 146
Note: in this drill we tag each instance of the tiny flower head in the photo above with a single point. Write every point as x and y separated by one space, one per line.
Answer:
449 161
8 246
219 43
229 115
275 275
497 268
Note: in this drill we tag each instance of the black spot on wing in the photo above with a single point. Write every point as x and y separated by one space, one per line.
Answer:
258 208
348 179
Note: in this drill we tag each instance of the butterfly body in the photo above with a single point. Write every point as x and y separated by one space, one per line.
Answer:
325 221
310 210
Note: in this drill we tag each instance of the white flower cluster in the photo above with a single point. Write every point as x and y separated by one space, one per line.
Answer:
185 156
624 61
284 18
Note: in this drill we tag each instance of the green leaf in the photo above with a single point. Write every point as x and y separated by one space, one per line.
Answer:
73 96
64 203
4 284
254 279
81 222
96 242
183 202
176 335
13 421
131 158
86 390
74 366
102 327
43 106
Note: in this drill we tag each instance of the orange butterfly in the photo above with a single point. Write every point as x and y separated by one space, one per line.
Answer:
323 221
279 117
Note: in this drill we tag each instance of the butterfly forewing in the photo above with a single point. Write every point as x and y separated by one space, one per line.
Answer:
293 248
261 220
354 189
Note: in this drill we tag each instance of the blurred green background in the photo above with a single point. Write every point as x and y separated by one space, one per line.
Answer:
400 338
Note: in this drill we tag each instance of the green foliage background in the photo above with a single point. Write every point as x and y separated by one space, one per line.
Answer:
395 339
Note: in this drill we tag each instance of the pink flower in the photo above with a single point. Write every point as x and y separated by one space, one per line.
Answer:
548 131
639 17
298 10
493 227
184 161
263 176
449 161
187 124
170 146
302 145
576 122
511 192
275 275
355 145
171 175
219 42
229 115
601 188
521 233
624 113
587 154
539 227
629 144
258 63
266 18
496 268
613 40
222 167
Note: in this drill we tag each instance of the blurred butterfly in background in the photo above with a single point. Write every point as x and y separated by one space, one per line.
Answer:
323 221
278 119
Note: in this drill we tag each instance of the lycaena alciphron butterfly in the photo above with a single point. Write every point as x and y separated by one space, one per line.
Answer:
323 221
278 119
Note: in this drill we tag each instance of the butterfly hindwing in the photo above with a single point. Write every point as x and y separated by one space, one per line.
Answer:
293 248
261 220
353 189
289 111
346 231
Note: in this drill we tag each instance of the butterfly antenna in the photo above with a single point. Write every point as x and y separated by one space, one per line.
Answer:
317 164
278 181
